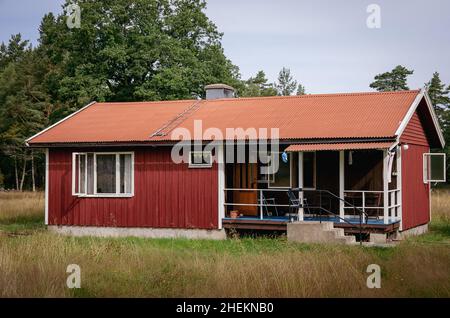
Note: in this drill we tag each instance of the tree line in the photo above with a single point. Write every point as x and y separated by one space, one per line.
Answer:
141 50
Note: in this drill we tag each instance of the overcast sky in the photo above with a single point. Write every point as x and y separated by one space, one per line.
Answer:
326 44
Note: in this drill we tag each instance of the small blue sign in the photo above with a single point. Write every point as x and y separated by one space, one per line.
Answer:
284 157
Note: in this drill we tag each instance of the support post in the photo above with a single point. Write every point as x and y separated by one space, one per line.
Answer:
385 186
364 205
221 181
261 202
341 183
300 185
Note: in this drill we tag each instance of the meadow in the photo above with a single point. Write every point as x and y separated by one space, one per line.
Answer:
33 262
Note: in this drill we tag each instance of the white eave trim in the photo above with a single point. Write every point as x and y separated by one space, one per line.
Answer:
412 109
59 122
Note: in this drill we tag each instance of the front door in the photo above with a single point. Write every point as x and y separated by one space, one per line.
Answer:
245 176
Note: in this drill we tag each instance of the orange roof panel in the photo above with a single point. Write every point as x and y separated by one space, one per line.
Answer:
324 116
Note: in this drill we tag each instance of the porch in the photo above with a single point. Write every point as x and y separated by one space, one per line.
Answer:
358 190
280 224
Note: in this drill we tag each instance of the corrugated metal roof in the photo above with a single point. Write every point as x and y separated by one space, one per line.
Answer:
324 116
339 146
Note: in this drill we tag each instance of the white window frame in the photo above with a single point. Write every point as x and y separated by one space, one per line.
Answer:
102 195
425 167
271 177
200 165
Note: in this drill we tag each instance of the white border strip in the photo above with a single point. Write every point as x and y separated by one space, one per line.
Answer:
47 164
57 123
221 185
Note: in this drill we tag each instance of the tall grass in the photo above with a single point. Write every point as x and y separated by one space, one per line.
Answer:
16 205
440 204
35 265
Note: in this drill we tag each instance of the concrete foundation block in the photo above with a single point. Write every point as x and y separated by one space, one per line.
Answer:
316 232
378 238
138 232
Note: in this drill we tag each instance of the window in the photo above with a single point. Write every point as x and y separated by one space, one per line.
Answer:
309 170
103 174
200 159
282 177
434 167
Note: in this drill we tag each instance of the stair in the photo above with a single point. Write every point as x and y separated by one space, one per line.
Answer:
316 232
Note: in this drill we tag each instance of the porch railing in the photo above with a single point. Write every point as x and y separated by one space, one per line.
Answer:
260 203
393 206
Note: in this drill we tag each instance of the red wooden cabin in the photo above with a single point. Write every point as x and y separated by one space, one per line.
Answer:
110 168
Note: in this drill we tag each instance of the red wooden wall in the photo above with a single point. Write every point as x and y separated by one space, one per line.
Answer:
167 195
415 193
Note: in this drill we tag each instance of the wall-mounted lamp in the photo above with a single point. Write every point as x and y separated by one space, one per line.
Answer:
405 147
350 158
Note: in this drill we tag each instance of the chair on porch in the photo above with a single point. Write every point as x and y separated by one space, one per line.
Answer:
295 204
265 202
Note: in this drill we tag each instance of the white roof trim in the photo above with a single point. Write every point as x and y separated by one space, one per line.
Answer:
435 119
412 109
59 122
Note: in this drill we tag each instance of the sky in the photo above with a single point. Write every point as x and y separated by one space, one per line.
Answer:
326 43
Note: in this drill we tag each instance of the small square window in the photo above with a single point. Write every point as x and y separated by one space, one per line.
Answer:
200 159
434 167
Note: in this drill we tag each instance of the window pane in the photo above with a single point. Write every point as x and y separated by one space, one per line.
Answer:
82 173
308 169
125 173
90 173
434 168
76 175
106 173
200 158
282 178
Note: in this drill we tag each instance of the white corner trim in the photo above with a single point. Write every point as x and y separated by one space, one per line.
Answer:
412 109
221 187
399 186
59 122
47 164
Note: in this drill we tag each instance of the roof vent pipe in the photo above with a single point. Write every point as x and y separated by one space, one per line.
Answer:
216 91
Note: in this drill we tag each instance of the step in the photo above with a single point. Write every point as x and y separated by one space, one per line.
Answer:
316 232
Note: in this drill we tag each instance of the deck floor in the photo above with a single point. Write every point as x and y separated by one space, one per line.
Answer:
279 223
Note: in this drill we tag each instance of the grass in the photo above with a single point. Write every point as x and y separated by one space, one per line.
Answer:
34 263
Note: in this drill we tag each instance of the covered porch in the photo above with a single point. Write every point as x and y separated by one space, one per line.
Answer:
353 185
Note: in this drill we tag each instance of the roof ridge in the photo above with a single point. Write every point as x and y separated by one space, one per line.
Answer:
414 91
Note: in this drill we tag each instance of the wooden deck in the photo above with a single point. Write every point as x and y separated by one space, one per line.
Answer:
280 224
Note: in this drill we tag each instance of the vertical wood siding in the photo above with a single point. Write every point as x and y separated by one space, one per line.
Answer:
167 195
415 193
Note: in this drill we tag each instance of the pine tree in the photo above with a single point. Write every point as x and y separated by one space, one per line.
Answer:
286 84
439 95
301 90
258 86
395 80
